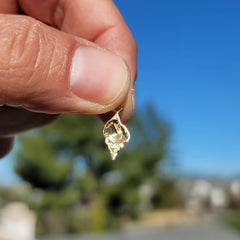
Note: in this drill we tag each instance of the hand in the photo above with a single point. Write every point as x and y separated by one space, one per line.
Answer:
54 60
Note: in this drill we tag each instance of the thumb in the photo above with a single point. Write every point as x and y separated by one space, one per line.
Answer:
44 69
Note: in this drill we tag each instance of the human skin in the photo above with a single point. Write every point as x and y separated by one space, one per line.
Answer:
62 56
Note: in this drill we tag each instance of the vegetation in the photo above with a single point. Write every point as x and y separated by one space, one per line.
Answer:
233 220
77 187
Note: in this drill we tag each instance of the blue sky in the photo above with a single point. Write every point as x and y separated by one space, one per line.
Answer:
189 68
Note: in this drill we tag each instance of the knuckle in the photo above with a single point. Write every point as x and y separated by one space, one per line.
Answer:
20 44
21 52
25 46
33 57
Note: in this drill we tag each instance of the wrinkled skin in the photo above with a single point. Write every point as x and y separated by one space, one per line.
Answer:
32 93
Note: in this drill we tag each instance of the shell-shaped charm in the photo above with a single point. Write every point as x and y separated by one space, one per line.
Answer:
116 134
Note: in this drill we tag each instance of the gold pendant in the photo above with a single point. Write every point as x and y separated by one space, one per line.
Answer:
116 134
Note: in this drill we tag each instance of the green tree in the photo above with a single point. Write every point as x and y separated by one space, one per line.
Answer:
70 162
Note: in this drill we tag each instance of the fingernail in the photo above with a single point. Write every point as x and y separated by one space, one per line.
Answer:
97 75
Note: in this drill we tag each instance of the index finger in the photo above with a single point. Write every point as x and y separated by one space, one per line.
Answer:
96 21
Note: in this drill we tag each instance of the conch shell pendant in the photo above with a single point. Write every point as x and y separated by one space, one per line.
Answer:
116 134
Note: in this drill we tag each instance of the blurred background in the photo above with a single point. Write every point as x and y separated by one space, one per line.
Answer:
178 178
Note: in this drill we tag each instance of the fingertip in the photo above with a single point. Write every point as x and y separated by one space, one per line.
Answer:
129 106
99 76
128 109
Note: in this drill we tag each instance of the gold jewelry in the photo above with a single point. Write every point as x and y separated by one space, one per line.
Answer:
115 133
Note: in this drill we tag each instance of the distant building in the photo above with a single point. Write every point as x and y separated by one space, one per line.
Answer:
17 222
235 193
200 194
218 198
